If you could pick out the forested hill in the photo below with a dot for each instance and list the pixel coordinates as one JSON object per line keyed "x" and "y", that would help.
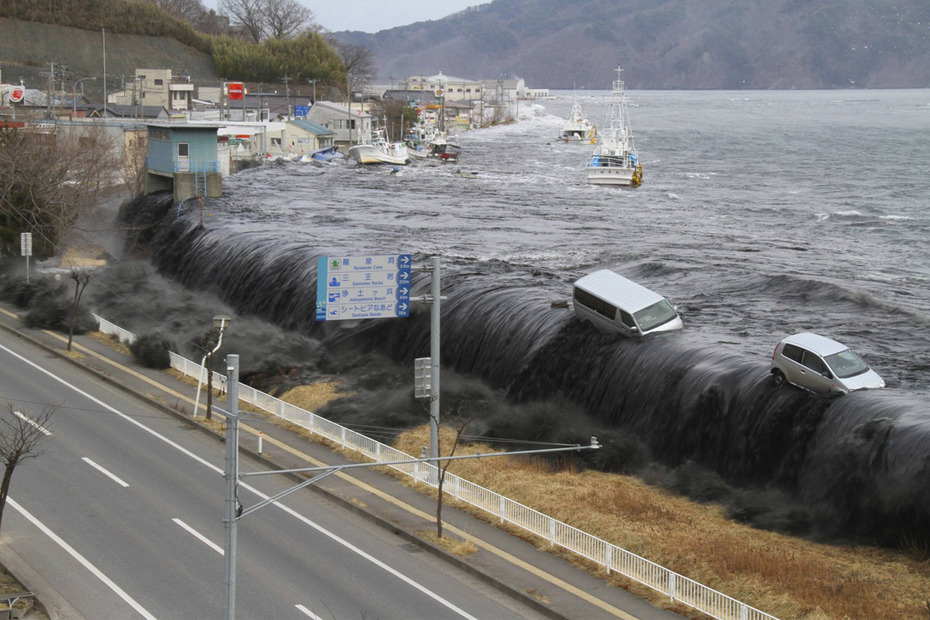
{"x": 669, "y": 44}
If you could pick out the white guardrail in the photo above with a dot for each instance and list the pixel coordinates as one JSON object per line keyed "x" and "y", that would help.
{"x": 613, "y": 558}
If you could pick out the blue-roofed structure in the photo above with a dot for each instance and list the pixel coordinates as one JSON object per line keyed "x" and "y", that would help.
{"x": 184, "y": 158}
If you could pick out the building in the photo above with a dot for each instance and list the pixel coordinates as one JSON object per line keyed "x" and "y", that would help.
{"x": 184, "y": 158}
{"x": 348, "y": 127}
{"x": 303, "y": 137}
{"x": 452, "y": 88}
{"x": 156, "y": 87}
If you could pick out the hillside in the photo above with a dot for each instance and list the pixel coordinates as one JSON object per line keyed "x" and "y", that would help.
{"x": 27, "y": 48}
{"x": 669, "y": 44}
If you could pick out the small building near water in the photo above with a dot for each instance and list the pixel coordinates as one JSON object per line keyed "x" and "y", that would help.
{"x": 183, "y": 158}
{"x": 349, "y": 127}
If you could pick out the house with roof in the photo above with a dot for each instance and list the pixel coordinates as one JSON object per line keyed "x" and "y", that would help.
{"x": 185, "y": 159}
{"x": 302, "y": 137}
{"x": 348, "y": 126}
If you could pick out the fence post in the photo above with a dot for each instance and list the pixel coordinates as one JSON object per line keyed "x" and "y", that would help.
{"x": 671, "y": 586}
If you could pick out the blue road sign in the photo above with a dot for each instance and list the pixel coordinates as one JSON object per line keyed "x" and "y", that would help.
{"x": 363, "y": 287}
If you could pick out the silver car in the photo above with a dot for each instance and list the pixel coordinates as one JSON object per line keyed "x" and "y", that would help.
{"x": 822, "y": 365}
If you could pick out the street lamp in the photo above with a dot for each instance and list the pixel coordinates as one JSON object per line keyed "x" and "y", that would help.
{"x": 74, "y": 94}
{"x": 220, "y": 322}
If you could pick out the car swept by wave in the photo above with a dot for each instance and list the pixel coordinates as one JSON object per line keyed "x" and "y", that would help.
{"x": 820, "y": 364}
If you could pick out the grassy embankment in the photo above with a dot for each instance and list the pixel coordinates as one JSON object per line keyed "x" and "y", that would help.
{"x": 785, "y": 576}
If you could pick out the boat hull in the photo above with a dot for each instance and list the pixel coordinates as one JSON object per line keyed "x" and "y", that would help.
{"x": 369, "y": 154}
{"x": 609, "y": 175}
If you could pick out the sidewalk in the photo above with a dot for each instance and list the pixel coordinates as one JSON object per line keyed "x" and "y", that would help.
{"x": 538, "y": 578}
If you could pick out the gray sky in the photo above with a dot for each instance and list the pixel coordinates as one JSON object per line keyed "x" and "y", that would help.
{"x": 375, "y": 15}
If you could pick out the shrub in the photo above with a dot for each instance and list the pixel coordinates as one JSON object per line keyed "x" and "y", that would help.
{"x": 152, "y": 350}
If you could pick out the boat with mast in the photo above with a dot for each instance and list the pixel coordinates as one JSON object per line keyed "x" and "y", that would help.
{"x": 379, "y": 150}
{"x": 615, "y": 160}
{"x": 578, "y": 127}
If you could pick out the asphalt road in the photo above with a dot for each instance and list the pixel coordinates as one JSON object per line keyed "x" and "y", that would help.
{"x": 122, "y": 516}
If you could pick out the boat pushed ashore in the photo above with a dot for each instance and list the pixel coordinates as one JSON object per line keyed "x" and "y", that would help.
{"x": 380, "y": 151}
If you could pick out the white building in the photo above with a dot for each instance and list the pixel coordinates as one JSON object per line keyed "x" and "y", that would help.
{"x": 454, "y": 89}
{"x": 155, "y": 87}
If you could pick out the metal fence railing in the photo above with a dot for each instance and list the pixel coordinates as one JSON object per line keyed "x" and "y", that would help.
{"x": 614, "y": 559}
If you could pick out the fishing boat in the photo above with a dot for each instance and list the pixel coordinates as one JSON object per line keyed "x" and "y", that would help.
{"x": 380, "y": 151}
{"x": 615, "y": 160}
{"x": 578, "y": 127}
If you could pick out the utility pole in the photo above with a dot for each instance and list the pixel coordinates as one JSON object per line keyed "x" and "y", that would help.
{"x": 435, "y": 290}
{"x": 234, "y": 511}
{"x": 287, "y": 96}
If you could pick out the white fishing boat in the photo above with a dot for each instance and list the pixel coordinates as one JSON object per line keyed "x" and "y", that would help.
{"x": 380, "y": 151}
{"x": 578, "y": 127}
{"x": 615, "y": 160}
{"x": 426, "y": 140}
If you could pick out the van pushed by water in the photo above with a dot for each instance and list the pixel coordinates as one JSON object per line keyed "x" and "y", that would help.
{"x": 614, "y": 304}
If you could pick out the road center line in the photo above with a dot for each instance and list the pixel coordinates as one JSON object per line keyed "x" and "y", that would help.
{"x": 80, "y": 558}
{"x": 106, "y": 473}
{"x": 199, "y": 536}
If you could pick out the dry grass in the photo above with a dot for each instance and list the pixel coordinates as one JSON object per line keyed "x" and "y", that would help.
{"x": 454, "y": 545}
{"x": 111, "y": 341}
{"x": 312, "y": 397}
{"x": 781, "y": 575}
{"x": 784, "y": 576}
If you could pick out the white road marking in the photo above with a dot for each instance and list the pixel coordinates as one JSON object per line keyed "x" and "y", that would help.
{"x": 308, "y": 612}
{"x": 24, "y": 418}
{"x": 424, "y": 590}
{"x": 106, "y": 473}
{"x": 80, "y": 558}
{"x": 200, "y": 536}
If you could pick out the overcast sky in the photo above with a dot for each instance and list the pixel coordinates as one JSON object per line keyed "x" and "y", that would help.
{"x": 375, "y": 15}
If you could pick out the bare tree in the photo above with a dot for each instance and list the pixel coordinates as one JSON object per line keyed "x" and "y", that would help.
{"x": 81, "y": 277}
{"x": 48, "y": 179}
{"x": 357, "y": 59}
{"x": 285, "y": 18}
{"x": 19, "y": 440}
{"x": 462, "y": 423}
{"x": 187, "y": 10}
{"x": 134, "y": 170}
{"x": 248, "y": 14}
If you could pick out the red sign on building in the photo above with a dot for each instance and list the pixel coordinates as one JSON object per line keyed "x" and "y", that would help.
{"x": 17, "y": 94}
{"x": 236, "y": 90}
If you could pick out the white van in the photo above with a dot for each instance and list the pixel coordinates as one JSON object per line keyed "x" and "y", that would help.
{"x": 614, "y": 304}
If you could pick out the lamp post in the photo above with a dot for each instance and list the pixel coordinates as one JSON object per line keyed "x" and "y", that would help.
{"x": 220, "y": 322}
{"x": 74, "y": 93}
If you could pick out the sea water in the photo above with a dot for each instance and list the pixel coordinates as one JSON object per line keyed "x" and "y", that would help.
{"x": 761, "y": 214}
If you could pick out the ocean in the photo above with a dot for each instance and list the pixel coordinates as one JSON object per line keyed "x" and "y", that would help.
{"x": 761, "y": 214}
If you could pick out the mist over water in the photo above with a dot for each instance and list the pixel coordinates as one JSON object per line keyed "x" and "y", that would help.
{"x": 761, "y": 215}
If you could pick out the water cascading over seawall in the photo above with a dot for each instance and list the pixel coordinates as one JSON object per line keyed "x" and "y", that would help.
{"x": 859, "y": 464}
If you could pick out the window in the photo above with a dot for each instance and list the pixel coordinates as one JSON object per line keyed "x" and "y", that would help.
{"x": 813, "y": 362}
{"x": 627, "y": 319}
{"x": 846, "y": 364}
{"x": 793, "y": 352}
{"x": 159, "y": 82}
{"x": 184, "y": 149}
{"x": 597, "y": 304}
